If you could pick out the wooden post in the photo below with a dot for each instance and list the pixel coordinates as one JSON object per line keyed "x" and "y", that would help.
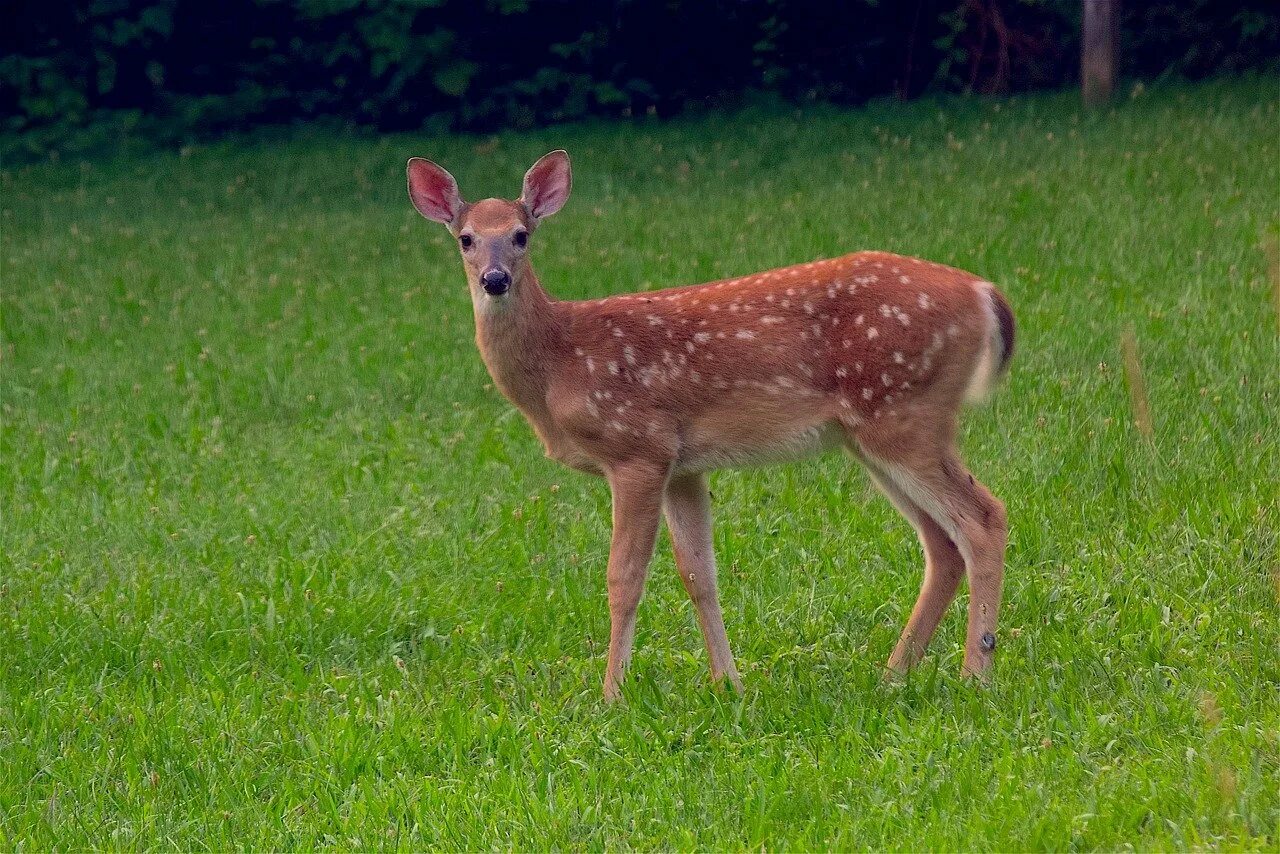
{"x": 1099, "y": 50}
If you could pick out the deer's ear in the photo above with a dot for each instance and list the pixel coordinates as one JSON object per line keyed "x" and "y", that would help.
{"x": 547, "y": 185}
{"x": 433, "y": 191}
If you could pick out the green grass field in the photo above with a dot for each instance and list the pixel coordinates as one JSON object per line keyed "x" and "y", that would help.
{"x": 281, "y": 569}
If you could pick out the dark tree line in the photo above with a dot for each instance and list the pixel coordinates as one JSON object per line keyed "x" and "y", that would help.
{"x": 73, "y": 72}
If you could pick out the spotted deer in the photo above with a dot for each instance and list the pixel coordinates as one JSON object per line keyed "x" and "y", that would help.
{"x": 871, "y": 352}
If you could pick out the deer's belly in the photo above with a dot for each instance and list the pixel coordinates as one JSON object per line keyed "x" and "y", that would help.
{"x": 764, "y": 445}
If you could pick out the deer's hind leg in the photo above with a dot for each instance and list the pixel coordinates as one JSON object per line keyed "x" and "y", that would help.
{"x": 920, "y": 467}
{"x": 943, "y": 569}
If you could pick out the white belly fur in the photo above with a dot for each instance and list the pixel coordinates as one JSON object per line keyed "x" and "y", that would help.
{"x": 789, "y": 446}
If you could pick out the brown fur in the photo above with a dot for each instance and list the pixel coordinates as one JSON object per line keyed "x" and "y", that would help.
{"x": 872, "y": 351}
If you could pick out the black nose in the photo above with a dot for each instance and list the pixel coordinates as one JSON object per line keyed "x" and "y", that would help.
{"x": 496, "y": 281}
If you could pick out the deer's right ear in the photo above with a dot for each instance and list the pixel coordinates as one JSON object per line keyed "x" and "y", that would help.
{"x": 433, "y": 191}
{"x": 547, "y": 185}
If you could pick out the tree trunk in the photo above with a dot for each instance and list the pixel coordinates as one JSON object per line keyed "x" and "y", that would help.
{"x": 1099, "y": 50}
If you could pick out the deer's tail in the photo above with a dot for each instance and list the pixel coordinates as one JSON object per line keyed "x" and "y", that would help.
{"x": 997, "y": 346}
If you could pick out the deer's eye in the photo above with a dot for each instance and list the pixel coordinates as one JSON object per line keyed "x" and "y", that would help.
{"x": 521, "y": 238}
{"x": 466, "y": 241}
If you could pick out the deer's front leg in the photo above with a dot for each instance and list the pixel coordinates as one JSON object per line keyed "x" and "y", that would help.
{"x": 637, "y": 503}
{"x": 688, "y": 511}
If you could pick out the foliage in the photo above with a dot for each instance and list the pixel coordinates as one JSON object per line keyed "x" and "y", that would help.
{"x": 279, "y": 568}
{"x": 80, "y": 73}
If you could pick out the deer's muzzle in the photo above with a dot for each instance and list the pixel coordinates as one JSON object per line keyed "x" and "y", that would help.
{"x": 495, "y": 281}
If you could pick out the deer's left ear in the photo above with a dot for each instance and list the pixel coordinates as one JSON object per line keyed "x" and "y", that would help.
{"x": 547, "y": 185}
{"x": 433, "y": 191}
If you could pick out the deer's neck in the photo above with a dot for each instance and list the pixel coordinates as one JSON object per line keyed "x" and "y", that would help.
{"x": 521, "y": 338}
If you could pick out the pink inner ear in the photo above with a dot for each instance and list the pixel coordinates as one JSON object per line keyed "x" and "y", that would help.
{"x": 434, "y": 192}
{"x": 548, "y": 188}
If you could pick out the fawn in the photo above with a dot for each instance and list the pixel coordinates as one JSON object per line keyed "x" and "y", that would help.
{"x": 872, "y": 352}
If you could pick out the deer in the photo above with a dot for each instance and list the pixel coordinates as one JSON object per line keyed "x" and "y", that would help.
{"x": 871, "y": 352}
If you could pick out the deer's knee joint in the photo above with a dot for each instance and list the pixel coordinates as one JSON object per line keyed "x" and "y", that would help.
{"x": 995, "y": 519}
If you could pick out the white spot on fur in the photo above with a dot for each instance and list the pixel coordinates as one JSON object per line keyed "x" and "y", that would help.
{"x": 613, "y": 368}
{"x": 745, "y": 334}
{"x": 924, "y": 300}
{"x": 872, "y": 332}
{"x": 702, "y": 337}
{"x": 770, "y": 319}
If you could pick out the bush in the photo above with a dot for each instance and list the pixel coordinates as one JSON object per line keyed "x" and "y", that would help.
{"x": 83, "y": 73}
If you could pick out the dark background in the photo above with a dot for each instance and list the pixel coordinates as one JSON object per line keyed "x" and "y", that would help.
{"x": 84, "y": 74}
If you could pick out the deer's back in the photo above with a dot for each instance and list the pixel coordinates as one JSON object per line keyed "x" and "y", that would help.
{"x": 762, "y": 365}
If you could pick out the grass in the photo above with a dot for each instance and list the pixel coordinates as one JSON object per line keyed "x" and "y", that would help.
{"x": 281, "y": 569}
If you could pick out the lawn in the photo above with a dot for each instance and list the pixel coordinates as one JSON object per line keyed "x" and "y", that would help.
{"x": 281, "y": 569}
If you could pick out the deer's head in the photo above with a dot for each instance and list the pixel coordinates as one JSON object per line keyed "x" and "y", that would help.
{"x": 493, "y": 234}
